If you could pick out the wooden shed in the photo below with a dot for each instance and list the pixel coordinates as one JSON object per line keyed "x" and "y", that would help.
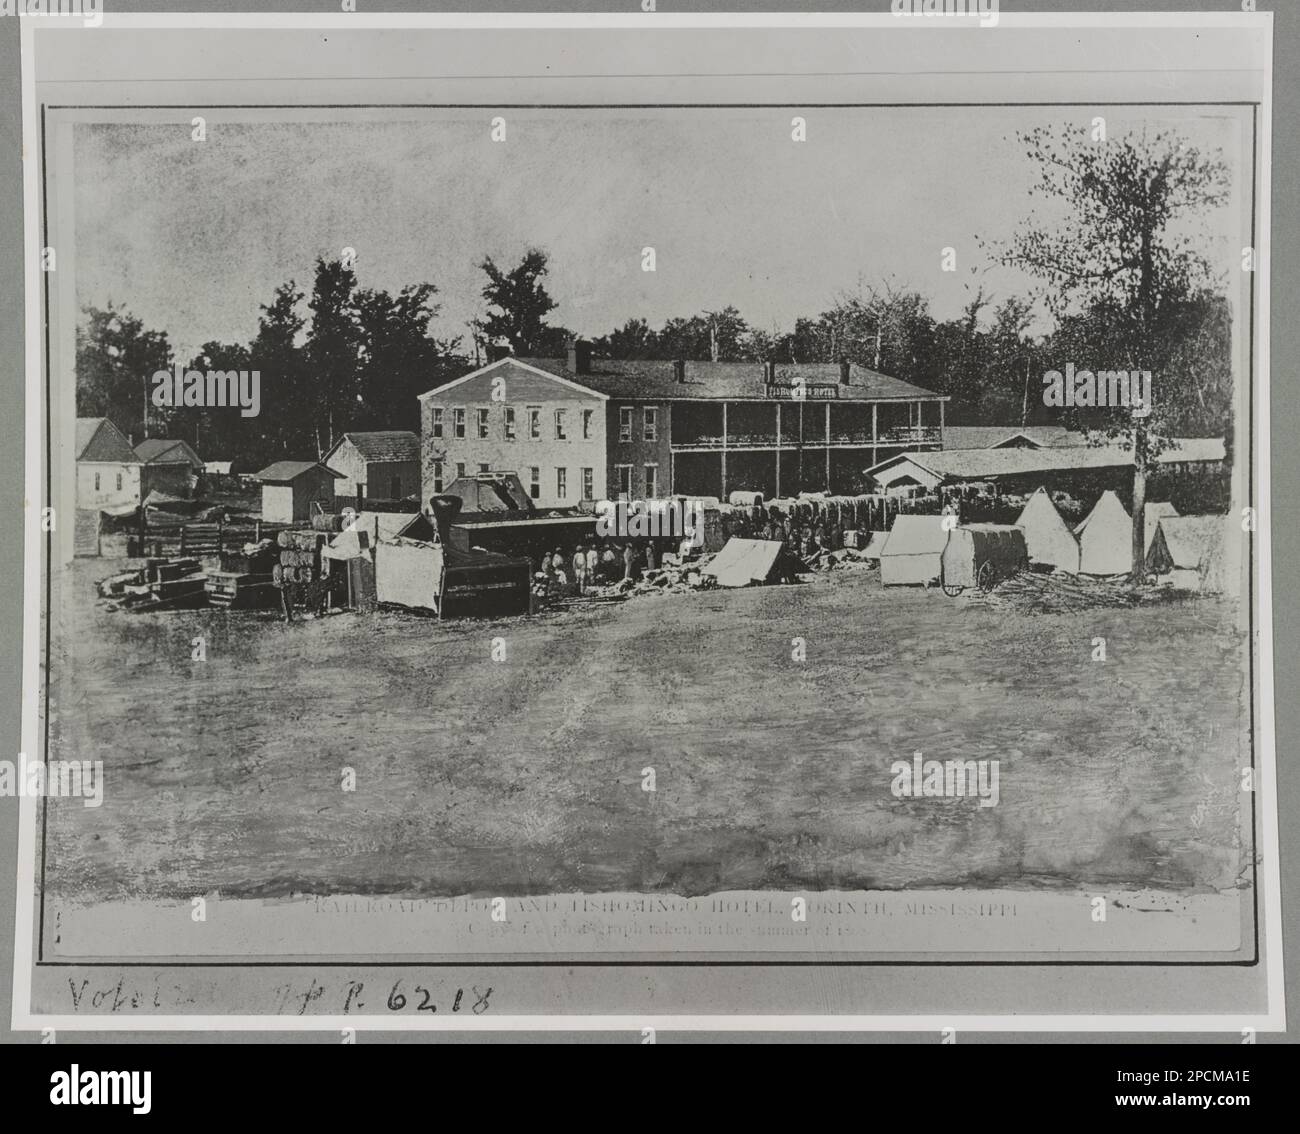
{"x": 290, "y": 488}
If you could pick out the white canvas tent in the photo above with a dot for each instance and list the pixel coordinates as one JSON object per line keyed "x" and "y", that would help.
{"x": 913, "y": 553}
{"x": 744, "y": 562}
{"x": 1047, "y": 536}
{"x": 1106, "y": 538}
{"x": 409, "y": 573}
{"x": 874, "y": 545}
{"x": 1151, "y": 517}
{"x": 1191, "y": 552}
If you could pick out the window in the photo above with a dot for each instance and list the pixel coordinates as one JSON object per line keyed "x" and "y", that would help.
{"x": 510, "y": 424}
{"x": 535, "y": 483}
{"x": 460, "y": 469}
{"x": 651, "y": 423}
{"x": 483, "y": 466}
{"x": 437, "y": 477}
{"x": 586, "y": 424}
{"x": 482, "y": 424}
{"x": 625, "y": 423}
{"x": 97, "y": 482}
{"x": 119, "y": 482}
{"x": 561, "y": 483}
{"x": 624, "y": 481}
{"x": 559, "y": 425}
{"x": 588, "y": 485}
{"x": 651, "y": 481}
{"x": 436, "y": 423}
{"x": 535, "y": 424}
{"x": 458, "y": 418}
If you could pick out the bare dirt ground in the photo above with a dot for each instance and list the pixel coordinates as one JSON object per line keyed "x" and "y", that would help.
{"x": 475, "y": 776}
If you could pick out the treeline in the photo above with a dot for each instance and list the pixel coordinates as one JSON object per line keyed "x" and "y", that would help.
{"x": 355, "y": 358}
{"x": 346, "y": 357}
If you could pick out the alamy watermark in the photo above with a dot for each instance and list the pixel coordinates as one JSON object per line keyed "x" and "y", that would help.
{"x": 181, "y": 387}
{"x": 946, "y": 779}
{"x": 647, "y": 519}
{"x": 1131, "y": 388}
{"x": 91, "y": 11}
{"x": 986, "y": 10}
{"x": 55, "y": 778}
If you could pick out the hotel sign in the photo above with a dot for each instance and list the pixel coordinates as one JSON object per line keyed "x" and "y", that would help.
{"x": 803, "y": 391}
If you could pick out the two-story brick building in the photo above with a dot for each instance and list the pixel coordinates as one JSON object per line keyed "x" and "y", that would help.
{"x": 512, "y": 416}
{"x": 680, "y": 428}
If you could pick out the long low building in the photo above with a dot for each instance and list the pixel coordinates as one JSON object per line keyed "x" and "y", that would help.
{"x": 1023, "y": 468}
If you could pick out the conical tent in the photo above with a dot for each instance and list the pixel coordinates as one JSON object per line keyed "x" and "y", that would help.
{"x": 1191, "y": 551}
{"x": 1047, "y": 536}
{"x": 1106, "y": 538}
{"x": 1151, "y": 517}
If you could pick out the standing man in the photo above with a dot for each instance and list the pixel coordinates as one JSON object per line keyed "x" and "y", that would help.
{"x": 580, "y": 568}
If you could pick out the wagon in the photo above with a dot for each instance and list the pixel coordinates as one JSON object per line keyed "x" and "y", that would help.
{"x": 981, "y": 555}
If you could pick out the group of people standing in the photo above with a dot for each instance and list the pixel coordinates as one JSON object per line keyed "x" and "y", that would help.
{"x": 592, "y": 565}
{"x": 803, "y": 540}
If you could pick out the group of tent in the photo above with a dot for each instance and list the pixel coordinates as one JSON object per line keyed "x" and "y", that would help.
{"x": 1186, "y": 551}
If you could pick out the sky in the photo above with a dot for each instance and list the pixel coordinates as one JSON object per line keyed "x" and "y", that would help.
{"x": 193, "y": 236}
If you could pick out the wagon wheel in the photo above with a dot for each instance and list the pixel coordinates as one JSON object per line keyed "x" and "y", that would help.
{"x": 952, "y": 590}
{"x": 984, "y": 577}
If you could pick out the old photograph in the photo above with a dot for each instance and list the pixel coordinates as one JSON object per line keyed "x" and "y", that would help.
{"x": 624, "y": 532}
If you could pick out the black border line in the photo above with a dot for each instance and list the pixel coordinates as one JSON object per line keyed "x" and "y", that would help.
{"x": 41, "y": 962}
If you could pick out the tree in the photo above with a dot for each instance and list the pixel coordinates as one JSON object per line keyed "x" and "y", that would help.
{"x": 333, "y": 352}
{"x": 634, "y": 339}
{"x": 218, "y": 433}
{"x": 399, "y": 358}
{"x": 116, "y": 358}
{"x": 278, "y": 355}
{"x": 1123, "y": 263}
{"x": 517, "y": 305}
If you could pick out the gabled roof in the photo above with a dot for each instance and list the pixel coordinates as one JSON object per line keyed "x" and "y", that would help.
{"x": 98, "y": 439}
{"x": 505, "y": 364}
{"x": 161, "y": 451}
{"x": 657, "y": 379}
{"x": 987, "y": 464}
{"x": 283, "y": 472}
{"x": 1009, "y": 436}
{"x": 382, "y": 445}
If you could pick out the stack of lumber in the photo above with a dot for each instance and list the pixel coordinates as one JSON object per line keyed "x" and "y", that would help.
{"x": 161, "y": 584}
{"x": 1059, "y": 593}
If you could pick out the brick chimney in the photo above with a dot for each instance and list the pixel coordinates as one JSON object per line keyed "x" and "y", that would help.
{"x": 844, "y": 371}
{"x": 579, "y": 356}
{"x": 679, "y": 369}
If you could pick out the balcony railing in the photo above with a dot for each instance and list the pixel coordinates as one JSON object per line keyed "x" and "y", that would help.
{"x": 904, "y": 435}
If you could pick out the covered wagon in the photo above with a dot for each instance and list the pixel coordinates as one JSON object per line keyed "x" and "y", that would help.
{"x": 982, "y": 555}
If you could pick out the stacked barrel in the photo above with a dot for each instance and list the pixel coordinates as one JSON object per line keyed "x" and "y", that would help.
{"x": 299, "y": 564}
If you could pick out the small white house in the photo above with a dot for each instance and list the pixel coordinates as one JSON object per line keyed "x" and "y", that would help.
{"x": 108, "y": 469}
